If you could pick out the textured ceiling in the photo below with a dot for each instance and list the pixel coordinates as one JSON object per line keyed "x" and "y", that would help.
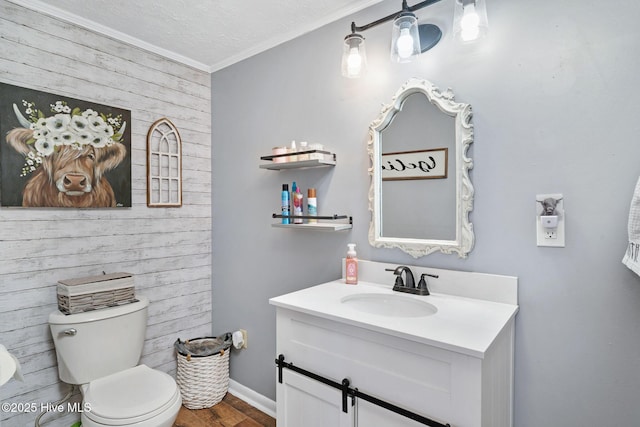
{"x": 207, "y": 34}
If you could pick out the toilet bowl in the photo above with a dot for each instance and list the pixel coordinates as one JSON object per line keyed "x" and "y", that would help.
{"x": 99, "y": 351}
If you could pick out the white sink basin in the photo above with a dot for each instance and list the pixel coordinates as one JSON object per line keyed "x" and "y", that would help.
{"x": 389, "y": 305}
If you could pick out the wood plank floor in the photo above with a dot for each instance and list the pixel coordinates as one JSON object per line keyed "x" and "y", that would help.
{"x": 231, "y": 412}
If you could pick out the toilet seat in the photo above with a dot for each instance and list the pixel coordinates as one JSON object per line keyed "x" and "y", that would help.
{"x": 130, "y": 396}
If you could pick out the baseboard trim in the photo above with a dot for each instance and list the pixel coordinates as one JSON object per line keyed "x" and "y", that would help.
{"x": 253, "y": 398}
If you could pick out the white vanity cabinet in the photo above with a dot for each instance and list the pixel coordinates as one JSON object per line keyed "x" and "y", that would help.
{"x": 428, "y": 372}
{"x": 446, "y": 386}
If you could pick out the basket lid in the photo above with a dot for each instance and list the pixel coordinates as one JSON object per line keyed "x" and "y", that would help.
{"x": 94, "y": 279}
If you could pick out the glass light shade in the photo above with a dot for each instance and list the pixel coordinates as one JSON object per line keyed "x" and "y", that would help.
{"x": 405, "y": 39}
{"x": 470, "y": 20}
{"x": 354, "y": 56}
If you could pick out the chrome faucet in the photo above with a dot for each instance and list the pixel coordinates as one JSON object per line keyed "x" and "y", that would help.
{"x": 410, "y": 286}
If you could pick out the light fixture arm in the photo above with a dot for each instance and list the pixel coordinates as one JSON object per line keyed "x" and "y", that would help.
{"x": 405, "y": 8}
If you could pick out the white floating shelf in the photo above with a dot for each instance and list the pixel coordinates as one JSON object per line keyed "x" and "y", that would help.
{"x": 298, "y": 165}
{"x": 322, "y": 159}
{"x": 324, "y": 223}
{"x": 320, "y": 226}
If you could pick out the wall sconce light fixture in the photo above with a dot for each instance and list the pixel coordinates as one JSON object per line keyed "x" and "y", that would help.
{"x": 408, "y": 38}
{"x": 354, "y": 56}
{"x": 469, "y": 20}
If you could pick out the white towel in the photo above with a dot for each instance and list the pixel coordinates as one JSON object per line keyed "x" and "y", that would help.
{"x": 632, "y": 256}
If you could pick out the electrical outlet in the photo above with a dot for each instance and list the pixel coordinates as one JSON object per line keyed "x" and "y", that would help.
{"x": 550, "y": 234}
{"x": 244, "y": 338}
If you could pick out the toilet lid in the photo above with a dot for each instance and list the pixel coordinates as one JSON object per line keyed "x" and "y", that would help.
{"x": 132, "y": 395}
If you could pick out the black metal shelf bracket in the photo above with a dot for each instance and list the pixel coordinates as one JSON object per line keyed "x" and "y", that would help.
{"x": 297, "y": 153}
{"x": 348, "y": 391}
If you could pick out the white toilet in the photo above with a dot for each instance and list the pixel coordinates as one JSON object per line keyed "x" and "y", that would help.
{"x": 99, "y": 351}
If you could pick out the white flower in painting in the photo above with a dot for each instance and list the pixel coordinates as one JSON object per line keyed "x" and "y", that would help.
{"x": 96, "y": 124}
{"x": 58, "y": 123}
{"x": 98, "y": 141}
{"x": 41, "y": 133}
{"x": 58, "y": 107}
{"x": 55, "y": 138}
{"x": 107, "y": 131}
{"x": 44, "y": 147}
{"x": 67, "y": 138}
{"x": 84, "y": 137}
{"x": 79, "y": 123}
{"x": 89, "y": 113}
{"x": 42, "y": 122}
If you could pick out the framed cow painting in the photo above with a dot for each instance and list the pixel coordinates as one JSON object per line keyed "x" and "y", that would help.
{"x": 58, "y": 151}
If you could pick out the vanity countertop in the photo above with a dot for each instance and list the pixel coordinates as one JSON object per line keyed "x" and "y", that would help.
{"x": 461, "y": 324}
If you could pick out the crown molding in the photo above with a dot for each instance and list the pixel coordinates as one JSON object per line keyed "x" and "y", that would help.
{"x": 55, "y": 12}
{"x": 285, "y": 37}
{"x": 47, "y": 9}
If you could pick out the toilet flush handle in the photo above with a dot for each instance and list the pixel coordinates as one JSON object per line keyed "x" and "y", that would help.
{"x": 71, "y": 331}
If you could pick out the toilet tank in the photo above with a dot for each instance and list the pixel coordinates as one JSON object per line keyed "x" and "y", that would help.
{"x": 98, "y": 343}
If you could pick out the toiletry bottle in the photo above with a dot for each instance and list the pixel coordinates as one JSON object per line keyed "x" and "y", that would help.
{"x": 351, "y": 267}
{"x": 297, "y": 206}
{"x": 303, "y": 147}
{"x": 285, "y": 203}
{"x": 292, "y": 151}
{"x": 312, "y": 204}
{"x": 294, "y": 189}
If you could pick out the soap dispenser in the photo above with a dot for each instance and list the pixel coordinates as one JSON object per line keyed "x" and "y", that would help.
{"x": 351, "y": 265}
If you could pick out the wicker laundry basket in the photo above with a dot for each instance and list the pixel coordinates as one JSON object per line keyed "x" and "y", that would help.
{"x": 203, "y": 378}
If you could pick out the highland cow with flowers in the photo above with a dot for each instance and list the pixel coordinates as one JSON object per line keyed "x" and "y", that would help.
{"x": 67, "y": 152}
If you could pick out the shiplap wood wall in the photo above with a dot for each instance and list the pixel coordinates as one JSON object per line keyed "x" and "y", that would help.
{"x": 167, "y": 249}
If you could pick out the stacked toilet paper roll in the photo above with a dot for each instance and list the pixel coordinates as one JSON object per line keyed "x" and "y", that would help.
{"x": 9, "y": 366}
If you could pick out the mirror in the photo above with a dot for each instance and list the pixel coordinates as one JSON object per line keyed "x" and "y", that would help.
{"x": 421, "y": 194}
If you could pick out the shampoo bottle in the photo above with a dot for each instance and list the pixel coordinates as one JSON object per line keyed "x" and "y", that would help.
{"x": 297, "y": 206}
{"x": 351, "y": 267}
{"x": 285, "y": 203}
{"x": 312, "y": 204}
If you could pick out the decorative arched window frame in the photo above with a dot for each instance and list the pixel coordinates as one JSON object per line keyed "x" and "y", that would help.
{"x": 164, "y": 165}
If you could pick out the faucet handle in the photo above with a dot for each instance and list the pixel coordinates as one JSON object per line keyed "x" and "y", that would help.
{"x": 399, "y": 281}
{"x": 422, "y": 284}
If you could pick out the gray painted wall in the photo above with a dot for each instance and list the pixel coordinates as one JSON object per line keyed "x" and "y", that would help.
{"x": 555, "y": 92}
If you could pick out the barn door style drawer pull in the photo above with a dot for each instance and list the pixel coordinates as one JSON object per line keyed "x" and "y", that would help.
{"x": 348, "y": 391}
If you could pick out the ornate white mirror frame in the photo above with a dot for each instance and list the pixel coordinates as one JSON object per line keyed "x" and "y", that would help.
{"x": 462, "y": 114}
